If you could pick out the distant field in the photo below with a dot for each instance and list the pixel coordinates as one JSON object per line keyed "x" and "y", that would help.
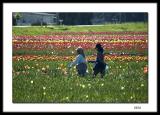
{"x": 143, "y": 27}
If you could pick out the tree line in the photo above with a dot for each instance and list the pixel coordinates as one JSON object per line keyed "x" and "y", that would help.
{"x": 89, "y": 18}
{"x": 100, "y": 18}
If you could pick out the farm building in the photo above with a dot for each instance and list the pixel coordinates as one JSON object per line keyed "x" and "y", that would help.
{"x": 34, "y": 18}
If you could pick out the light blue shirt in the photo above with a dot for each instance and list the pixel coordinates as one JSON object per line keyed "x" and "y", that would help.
{"x": 79, "y": 59}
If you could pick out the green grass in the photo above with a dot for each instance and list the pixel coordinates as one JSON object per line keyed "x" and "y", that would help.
{"x": 124, "y": 82}
{"x": 52, "y": 82}
{"x": 33, "y": 30}
{"x": 68, "y": 52}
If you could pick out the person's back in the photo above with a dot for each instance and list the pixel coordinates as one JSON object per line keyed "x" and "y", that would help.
{"x": 80, "y": 62}
{"x": 100, "y": 57}
{"x": 100, "y": 64}
{"x": 80, "y": 59}
{"x": 81, "y": 65}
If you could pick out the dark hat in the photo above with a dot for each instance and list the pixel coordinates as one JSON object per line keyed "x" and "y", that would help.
{"x": 98, "y": 45}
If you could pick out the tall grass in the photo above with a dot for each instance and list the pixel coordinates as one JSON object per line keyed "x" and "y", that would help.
{"x": 124, "y": 82}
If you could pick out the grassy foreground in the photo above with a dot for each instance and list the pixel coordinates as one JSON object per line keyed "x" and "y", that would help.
{"x": 125, "y": 83}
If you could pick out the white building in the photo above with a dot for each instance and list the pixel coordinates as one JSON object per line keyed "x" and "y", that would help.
{"x": 36, "y": 18}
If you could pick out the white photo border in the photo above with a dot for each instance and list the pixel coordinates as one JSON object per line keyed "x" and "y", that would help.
{"x": 8, "y": 8}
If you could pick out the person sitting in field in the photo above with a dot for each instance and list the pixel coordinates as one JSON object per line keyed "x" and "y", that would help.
{"x": 100, "y": 65}
{"x": 80, "y": 62}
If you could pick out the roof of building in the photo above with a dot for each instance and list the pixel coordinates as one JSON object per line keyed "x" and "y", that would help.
{"x": 40, "y": 13}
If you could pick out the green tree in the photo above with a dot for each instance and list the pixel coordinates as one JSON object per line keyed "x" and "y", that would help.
{"x": 17, "y": 16}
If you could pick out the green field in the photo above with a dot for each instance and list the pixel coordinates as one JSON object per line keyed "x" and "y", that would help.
{"x": 47, "y": 81}
{"x": 41, "y": 30}
{"x": 121, "y": 84}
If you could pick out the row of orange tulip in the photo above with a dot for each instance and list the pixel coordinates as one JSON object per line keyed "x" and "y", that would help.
{"x": 70, "y": 58}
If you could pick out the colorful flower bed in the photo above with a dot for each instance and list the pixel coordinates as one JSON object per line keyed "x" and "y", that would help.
{"x": 40, "y": 72}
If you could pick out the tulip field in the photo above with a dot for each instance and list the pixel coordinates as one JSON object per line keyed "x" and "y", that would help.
{"x": 40, "y": 70}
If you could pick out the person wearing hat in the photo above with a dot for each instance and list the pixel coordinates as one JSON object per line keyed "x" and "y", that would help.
{"x": 80, "y": 62}
{"x": 100, "y": 65}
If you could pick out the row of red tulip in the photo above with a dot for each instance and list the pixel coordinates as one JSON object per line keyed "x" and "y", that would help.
{"x": 81, "y": 37}
{"x": 70, "y": 58}
{"x": 86, "y": 45}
